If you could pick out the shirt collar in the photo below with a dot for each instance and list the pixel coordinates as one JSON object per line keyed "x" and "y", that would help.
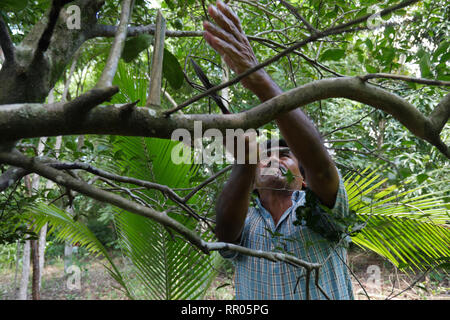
{"x": 296, "y": 197}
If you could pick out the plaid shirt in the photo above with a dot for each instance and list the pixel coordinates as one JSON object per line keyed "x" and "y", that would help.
{"x": 261, "y": 279}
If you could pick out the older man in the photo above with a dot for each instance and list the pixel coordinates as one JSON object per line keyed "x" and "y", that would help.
{"x": 269, "y": 225}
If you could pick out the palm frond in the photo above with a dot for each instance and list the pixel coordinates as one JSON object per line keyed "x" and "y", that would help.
{"x": 166, "y": 266}
{"x": 407, "y": 229}
{"x": 65, "y": 228}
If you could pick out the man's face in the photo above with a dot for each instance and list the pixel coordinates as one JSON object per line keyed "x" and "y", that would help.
{"x": 279, "y": 177}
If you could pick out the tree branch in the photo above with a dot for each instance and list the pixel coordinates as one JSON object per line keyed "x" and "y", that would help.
{"x": 271, "y": 256}
{"x": 109, "y": 71}
{"x": 111, "y": 176}
{"x": 294, "y": 11}
{"x": 102, "y": 30}
{"x": 11, "y": 176}
{"x": 51, "y": 120}
{"x": 440, "y": 115}
{"x": 330, "y": 31}
{"x": 405, "y": 78}
{"x": 61, "y": 178}
{"x": 383, "y": 12}
{"x": 6, "y": 42}
{"x": 78, "y": 107}
{"x": 205, "y": 183}
{"x": 46, "y": 36}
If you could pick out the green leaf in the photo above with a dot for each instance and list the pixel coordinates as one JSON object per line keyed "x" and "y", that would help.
{"x": 177, "y": 24}
{"x": 441, "y": 49}
{"x": 421, "y": 178}
{"x": 425, "y": 66}
{"x": 134, "y": 46}
{"x": 170, "y": 4}
{"x": 13, "y": 5}
{"x": 172, "y": 70}
{"x": 332, "y": 54}
{"x": 371, "y": 69}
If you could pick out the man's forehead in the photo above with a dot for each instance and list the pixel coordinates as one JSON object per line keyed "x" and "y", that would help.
{"x": 277, "y": 149}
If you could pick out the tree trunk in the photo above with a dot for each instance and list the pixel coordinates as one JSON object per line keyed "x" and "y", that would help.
{"x": 35, "y": 292}
{"x": 22, "y": 294}
{"x": 16, "y": 287}
{"x": 42, "y": 244}
{"x": 68, "y": 249}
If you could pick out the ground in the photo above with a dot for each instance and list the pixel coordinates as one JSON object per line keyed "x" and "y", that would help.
{"x": 96, "y": 284}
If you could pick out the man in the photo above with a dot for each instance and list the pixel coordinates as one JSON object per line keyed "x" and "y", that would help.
{"x": 278, "y": 196}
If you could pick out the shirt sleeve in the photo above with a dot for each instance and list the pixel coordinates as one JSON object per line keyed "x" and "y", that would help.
{"x": 231, "y": 254}
{"x": 331, "y": 223}
{"x": 340, "y": 208}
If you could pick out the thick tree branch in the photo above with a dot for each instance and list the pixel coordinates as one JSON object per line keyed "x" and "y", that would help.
{"x": 6, "y": 42}
{"x": 109, "y": 71}
{"x": 33, "y": 78}
{"x": 11, "y": 176}
{"x": 52, "y": 120}
{"x": 441, "y": 114}
{"x": 46, "y": 36}
{"x": 102, "y": 30}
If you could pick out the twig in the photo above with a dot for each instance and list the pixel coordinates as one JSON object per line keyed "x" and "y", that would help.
{"x": 405, "y": 78}
{"x": 111, "y": 176}
{"x": 262, "y": 8}
{"x": 353, "y": 274}
{"x": 349, "y": 125}
{"x": 269, "y": 255}
{"x": 412, "y": 284}
{"x": 206, "y": 182}
{"x": 294, "y": 11}
{"x": 127, "y": 108}
{"x": 381, "y": 13}
{"x": 308, "y": 59}
{"x": 331, "y": 31}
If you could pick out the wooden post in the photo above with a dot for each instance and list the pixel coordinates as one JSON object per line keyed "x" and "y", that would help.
{"x": 154, "y": 94}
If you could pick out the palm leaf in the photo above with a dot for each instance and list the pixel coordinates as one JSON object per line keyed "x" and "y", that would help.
{"x": 65, "y": 228}
{"x": 407, "y": 229}
{"x": 166, "y": 266}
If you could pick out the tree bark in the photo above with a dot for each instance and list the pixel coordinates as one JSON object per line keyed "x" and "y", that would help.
{"x": 35, "y": 292}
{"x": 22, "y": 294}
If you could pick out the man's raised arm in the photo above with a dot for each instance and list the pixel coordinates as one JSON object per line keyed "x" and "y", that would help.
{"x": 228, "y": 39}
{"x": 233, "y": 202}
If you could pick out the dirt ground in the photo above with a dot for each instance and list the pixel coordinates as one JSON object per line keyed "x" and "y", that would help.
{"x": 96, "y": 284}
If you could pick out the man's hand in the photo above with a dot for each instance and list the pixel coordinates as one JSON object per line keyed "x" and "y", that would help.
{"x": 228, "y": 39}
